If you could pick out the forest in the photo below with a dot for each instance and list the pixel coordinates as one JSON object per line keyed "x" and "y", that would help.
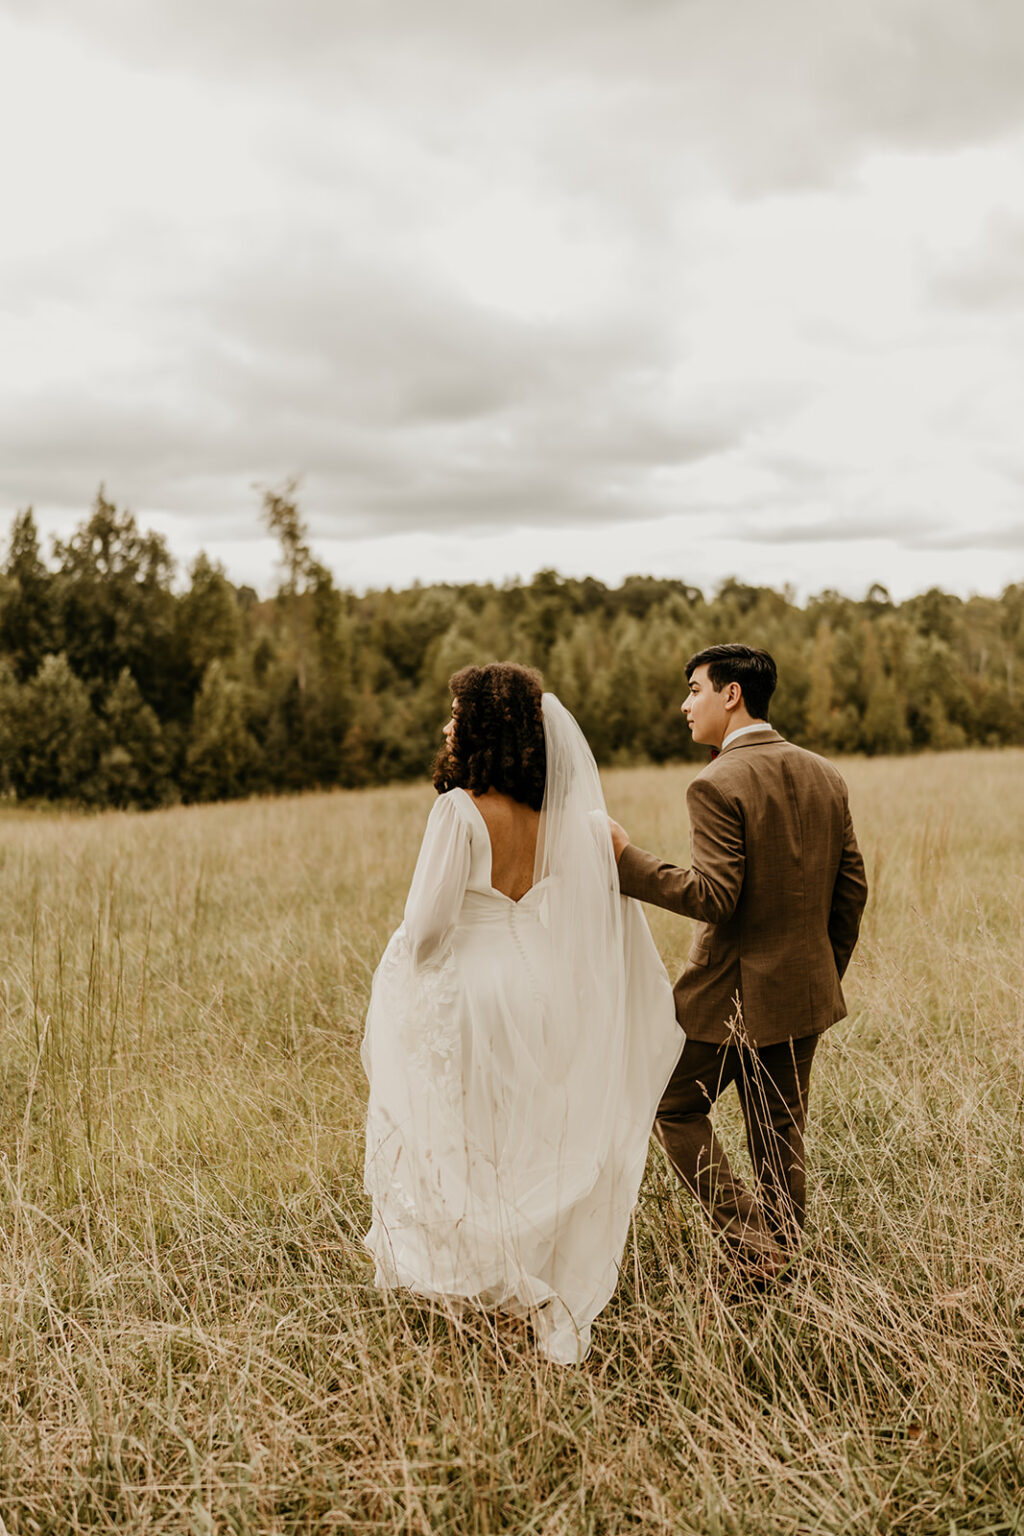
{"x": 121, "y": 686}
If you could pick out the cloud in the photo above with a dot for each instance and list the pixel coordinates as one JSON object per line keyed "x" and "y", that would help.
{"x": 989, "y": 276}
{"x": 788, "y": 94}
{"x": 909, "y": 536}
{"x": 401, "y": 402}
{"x": 1007, "y": 536}
{"x": 828, "y": 530}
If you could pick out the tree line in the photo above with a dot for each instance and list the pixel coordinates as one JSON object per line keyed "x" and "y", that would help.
{"x": 118, "y": 688}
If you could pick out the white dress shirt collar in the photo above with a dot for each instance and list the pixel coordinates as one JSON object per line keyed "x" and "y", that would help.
{"x": 743, "y": 730}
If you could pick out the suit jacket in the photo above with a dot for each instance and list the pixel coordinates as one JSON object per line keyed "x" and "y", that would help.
{"x": 777, "y": 883}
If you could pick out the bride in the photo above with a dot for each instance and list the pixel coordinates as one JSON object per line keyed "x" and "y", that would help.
{"x": 520, "y": 1030}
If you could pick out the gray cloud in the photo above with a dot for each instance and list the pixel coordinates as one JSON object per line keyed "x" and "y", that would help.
{"x": 787, "y": 94}
{"x": 402, "y": 403}
{"x": 1008, "y": 536}
{"x": 826, "y": 530}
{"x": 990, "y": 277}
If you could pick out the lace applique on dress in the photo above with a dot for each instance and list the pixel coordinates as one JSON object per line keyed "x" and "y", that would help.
{"x": 436, "y": 1046}
{"x": 422, "y": 1001}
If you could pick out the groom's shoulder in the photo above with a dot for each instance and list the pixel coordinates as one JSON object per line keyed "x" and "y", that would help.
{"x": 816, "y": 767}
{"x": 734, "y": 770}
{"x": 813, "y": 778}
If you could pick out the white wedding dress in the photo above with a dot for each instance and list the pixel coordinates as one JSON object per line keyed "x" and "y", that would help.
{"x": 516, "y": 1053}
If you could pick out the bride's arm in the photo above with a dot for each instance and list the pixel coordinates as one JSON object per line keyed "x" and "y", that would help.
{"x": 438, "y": 882}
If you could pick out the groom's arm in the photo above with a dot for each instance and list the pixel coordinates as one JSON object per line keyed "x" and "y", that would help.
{"x": 710, "y": 888}
{"x": 849, "y": 895}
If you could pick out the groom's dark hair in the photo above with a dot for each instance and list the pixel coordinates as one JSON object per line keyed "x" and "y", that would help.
{"x": 755, "y": 671}
{"x": 498, "y": 741}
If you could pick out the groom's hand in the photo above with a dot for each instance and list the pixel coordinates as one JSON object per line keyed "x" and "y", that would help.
{"x": 620, "y": 838}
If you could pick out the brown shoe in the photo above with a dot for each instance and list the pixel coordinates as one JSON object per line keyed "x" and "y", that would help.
{"x": 760, "y": 1274}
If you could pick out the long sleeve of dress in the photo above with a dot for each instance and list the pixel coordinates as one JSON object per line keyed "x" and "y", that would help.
{"x": 438, "y": 882}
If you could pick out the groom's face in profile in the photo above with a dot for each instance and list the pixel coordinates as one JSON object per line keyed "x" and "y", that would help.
{"x": 705, "y": 710}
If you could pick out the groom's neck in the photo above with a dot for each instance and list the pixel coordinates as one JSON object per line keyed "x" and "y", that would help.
{"x": 739, "y": 721}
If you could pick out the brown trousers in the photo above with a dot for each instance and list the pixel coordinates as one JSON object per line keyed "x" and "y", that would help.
{"x": 772, "y": 1082}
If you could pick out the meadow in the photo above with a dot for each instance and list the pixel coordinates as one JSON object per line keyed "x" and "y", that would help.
{"x": 190, "y": 1340}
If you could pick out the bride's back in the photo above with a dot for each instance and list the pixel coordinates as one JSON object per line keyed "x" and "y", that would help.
{"x": 512, "y": 828}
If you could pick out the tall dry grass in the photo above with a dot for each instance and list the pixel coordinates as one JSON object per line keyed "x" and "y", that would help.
{"x": 190, "y": 1340}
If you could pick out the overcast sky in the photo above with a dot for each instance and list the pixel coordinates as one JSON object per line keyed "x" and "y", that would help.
{"x": 693, "y": 287}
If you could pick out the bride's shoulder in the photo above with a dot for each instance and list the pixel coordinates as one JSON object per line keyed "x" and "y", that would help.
{"x": 453, "y": 803}
{"x": 451, "y": 817}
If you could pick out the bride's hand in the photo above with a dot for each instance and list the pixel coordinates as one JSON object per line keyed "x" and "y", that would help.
{"x": 620, "y": 838}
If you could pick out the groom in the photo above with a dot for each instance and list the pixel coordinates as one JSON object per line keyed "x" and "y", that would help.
{"x": 777, "y": 885}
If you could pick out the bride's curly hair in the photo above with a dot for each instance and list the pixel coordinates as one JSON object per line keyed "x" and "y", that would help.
{"x": 498, "y": 740}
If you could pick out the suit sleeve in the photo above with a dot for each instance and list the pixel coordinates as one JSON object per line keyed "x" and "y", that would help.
{"x": 438, "y": 882}
{"x": 849, "y": 895}
{"x": 710, "y": 888}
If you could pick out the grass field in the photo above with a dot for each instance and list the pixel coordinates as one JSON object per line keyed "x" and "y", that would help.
{"x": 190, "y": 1341}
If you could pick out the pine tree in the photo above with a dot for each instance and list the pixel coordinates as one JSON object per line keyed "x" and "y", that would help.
{"x": 221, "y": 756}
{"x": 210, "y": 622}
{"x": 133, "y": 765}
{"x": 28, "y": 618}
{"x": 56, "y": 736}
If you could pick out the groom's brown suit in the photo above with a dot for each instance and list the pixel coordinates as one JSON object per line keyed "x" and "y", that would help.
{"x": 777, "y": 883}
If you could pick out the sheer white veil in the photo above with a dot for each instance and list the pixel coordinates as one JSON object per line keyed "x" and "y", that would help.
{"x": 584, "y": 919}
